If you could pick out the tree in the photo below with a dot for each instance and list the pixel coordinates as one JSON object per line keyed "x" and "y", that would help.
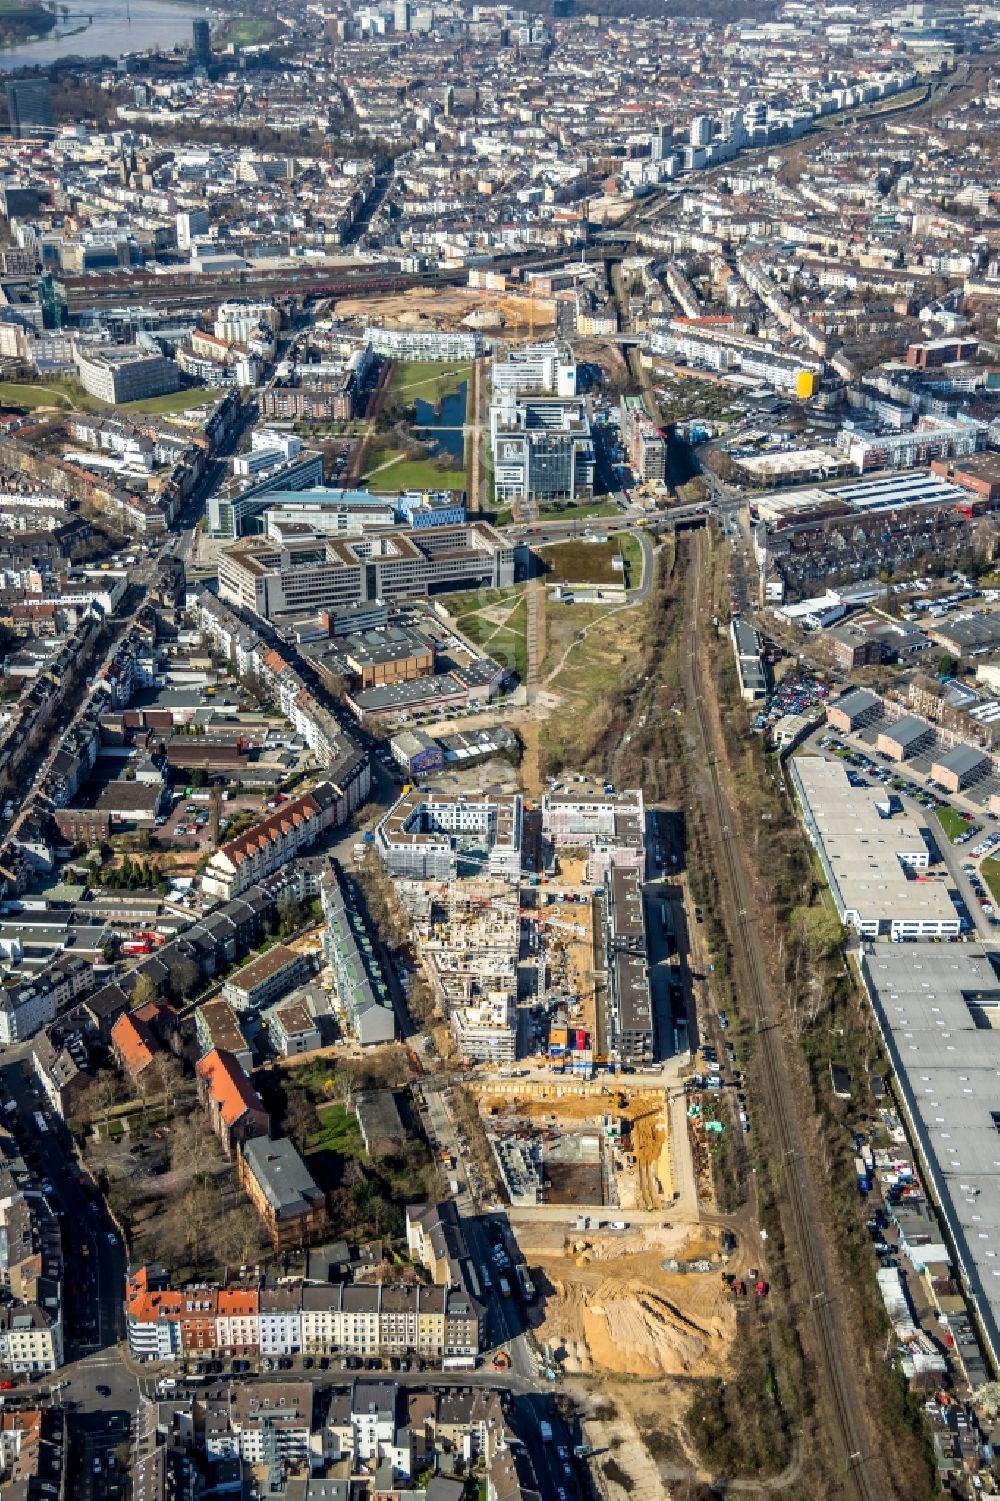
{"x": 947, "y": 666}
{"x": 144, "y": 991}
{"x": 185, "y": 978}
{"x": 301, "y": 1118}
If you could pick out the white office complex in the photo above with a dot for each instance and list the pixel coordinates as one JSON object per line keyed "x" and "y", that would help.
{"x": 870, "y": 856}
{"x": 424, "y": 343}
{"x": 536, "y": 368}
{"x": 326, "y": 573}
{"x": 543, "y": 448}
{"x": 125, "y": 373}
{"x": 432, "y": 836}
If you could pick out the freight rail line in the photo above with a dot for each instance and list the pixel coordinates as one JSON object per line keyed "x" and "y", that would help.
{"x": 863, "y": 1478}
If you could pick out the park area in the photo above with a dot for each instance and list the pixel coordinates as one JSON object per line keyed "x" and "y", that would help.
{"x": 68, "y": 395}
{"x": 390, "y": 469}
{"x": 428, "y": 380}
{"x": 496, "y": 620}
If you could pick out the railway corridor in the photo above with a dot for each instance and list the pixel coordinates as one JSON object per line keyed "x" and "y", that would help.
{"x": 841, "y": 1397}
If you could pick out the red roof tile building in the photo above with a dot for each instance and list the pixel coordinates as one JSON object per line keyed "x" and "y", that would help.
{"x": 233, "y": 1105}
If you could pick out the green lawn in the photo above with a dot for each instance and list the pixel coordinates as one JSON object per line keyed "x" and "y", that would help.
{"x": 990, "y": 872}
{"x": 632, "y": 553}
{"x": 569, "y": 509}
{"x": 68, "y": 395}
{"x": 49, "y": 393}
{"x": 246, "y": 31}
{"x": 471, "y": 601}
{"x": 339, "y": 1132}
{"x": 953, "y": 823}
{"x": 409, "y": 474}
{"x": 564, "y": 510}
{"x": 576, "y": 562}
{"x": 176, "y": 401}
{"x": 428, "y": 379}
{"x": 503, "y": 633}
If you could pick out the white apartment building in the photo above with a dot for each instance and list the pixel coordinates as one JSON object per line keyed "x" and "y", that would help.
{"x": 427, "y": 835}
{"x": 237, "y": 321}
{"x": 30, "y": 1340}
{"x": 485, "y": 1030}
{"x": 280, "y": 1321}
{"x": 424, "y": 344}
{"x": 932, "y": 438}
{"x": 610, "y": 825}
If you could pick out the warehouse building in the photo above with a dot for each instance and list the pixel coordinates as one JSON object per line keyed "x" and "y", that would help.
{"x": 853, "y": 710}
{"x": 749, "y": 662}
{"x": 938, "y": 1010}
{"x": 416, "y": 752}
{"x": 961, "y": 767}
{"x": 905, "y": 738}
{"x": 869, "y": 857}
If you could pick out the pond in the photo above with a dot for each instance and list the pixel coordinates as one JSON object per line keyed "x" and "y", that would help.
{"x": 443, "y": 428}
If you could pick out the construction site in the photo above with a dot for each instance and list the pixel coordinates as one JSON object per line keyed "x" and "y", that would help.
{"x": 600, "y": 1147}
{"x": 514, "y": 968}
{"x": 518, "y": 315}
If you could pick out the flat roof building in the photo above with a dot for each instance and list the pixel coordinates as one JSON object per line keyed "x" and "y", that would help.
{"x": 323, "y": 573}
{"x": 869, "y": 857}
{"x": 117, "y": 375}
{"x": 433, "y": 836}
{"x": 939, "y": 1013}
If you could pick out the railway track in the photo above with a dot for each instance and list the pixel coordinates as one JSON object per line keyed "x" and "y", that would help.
{"x": 863, "y": 1476}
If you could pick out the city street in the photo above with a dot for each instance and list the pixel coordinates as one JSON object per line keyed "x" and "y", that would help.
{"x": 93, "y": 1254}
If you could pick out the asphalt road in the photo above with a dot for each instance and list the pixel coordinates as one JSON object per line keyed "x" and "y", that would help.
{"x": 93, "y": 1254}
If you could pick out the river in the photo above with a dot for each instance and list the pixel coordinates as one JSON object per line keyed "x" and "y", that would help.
{"x": 100, "y": 28}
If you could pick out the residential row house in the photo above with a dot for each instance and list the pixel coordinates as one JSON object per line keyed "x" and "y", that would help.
{"x": 365, "y": 1319}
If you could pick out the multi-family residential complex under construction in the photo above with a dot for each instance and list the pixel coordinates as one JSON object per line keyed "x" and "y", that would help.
{"x": 508, "y": 938}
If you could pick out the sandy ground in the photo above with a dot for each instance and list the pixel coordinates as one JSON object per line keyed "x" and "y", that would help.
{"x": 618, "y": 1436}
{"x": 645, "y": 1178}
{"x": 625, "y": 1315}
{"x": 434, "y": 307}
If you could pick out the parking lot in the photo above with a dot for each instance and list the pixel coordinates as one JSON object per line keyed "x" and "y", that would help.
{"x": 960, "y": 835}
